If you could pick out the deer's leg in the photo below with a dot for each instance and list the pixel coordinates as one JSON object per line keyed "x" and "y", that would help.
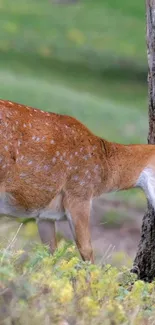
{"x": 46, "y": 229}
{"x": 78, "y": 214}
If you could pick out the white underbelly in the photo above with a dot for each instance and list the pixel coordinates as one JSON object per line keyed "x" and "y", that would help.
{"x": 8, "y": 208}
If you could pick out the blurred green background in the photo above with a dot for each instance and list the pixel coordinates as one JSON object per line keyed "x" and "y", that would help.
{"x": 83, "y": 58}
{"x": 87, "y": 59}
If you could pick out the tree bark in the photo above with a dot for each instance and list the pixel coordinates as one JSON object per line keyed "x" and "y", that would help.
{"x": 144, "y": 263}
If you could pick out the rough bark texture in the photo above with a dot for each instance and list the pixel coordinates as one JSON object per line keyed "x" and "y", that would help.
{"x": 144, "y": 263}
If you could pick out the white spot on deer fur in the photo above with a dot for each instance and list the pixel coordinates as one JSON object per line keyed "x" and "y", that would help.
{"x": 46, "y": 167}
{"x": 76, "y": 153}
{"x": 22, "y": 175}
{"x": 16, "y": 122}
{"x": 27, "y": 181}
{"x": 1, "y": 159}
{"x": 53, "y": 159}
{"x": 50, "y": 189}
{"x": 96, "y": 168}
{"x": 11, "y": 103}
{"x": 22, "y": 157}
{"x": 38, "y": 168}
{"x": 87, "y": 172}
{"x": 4, "y": 166}
{"x": 6, "y": 124}
{"x": 37, "y": 139}
{"x": 76, "y": 167}
{"x": 34, "y": 137}
{"x": 81, "y": 149}
{"x": 19, "y": 143}
{"x": 6, "y": 148}
{"x": 29, "y": 162}
{"x": 24, "y": 125}
{"x": 52, "y": 141}
{"x": 57, "y": 153}
{"x": 82, "y": 183}
{"x": 75, "y": 178}
{"x": 146, "y": 181}
{"x": 30, "y": 125}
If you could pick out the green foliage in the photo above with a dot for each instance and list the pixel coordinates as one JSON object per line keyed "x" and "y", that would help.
{"x": 51, "y": 289}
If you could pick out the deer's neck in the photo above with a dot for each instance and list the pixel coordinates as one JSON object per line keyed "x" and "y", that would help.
{"x": 123, "y": 164}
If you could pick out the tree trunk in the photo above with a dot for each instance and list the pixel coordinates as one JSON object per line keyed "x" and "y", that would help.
{"x": 144, "y": 263}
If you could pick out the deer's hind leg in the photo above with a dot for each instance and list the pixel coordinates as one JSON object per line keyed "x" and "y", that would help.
{"x": 46, "y": 222}
{"x": 46, "y": 229}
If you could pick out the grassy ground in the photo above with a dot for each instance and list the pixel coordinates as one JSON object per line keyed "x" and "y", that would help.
{"x": 38, "y": 289}
{"x": 44, "y": 62}
{"x": 87, "y": 32}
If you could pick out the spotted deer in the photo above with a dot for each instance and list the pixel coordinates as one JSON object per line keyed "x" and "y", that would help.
{"x": 52, "y": 167}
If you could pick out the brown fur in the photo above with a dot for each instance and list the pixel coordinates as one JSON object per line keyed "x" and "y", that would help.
{"x": 52, "y": 161}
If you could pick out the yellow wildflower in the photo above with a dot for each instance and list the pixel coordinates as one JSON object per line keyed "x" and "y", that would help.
{"x": 66, "y": 293}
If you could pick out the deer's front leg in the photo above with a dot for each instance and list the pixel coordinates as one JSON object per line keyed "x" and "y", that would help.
{"x": 46, "y": 229}
{"x": 78, "y": 214}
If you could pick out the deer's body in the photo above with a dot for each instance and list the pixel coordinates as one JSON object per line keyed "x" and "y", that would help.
{"x": 52, "y": 167}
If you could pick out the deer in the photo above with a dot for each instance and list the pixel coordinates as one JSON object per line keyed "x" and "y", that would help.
{"x": 52, "y": 167}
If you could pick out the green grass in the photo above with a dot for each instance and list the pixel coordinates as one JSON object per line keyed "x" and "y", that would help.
{"x": 36, "y": 288}
{"x": 105, "y": 116}
{"x": 87, "y": 60}
{"x": 93, "y": 33}
{"x": 65, "y": 59}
